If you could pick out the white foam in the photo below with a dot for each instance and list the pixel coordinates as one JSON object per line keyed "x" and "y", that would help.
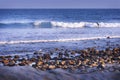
{"x": 84, "y": 24}
{"x": 36, "y": 23}
{"x": 68, "y": 24}
{"x": 55, "y": 40}
{"x": 63, "y": 24}
{"x": 102, "y": 24}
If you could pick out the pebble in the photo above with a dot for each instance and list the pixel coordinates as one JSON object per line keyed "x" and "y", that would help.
{"x": 51, "y": 67}
{"x": 89, "y": 57}
{"x": 39, "y": 63}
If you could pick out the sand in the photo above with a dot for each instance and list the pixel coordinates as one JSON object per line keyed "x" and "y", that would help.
{"x": 29, "y": 73}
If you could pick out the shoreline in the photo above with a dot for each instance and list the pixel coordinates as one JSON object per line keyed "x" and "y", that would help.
{"x": 59, "y": 40}
{"x": 99, "y": 60}
{"x": 13, "y": 49}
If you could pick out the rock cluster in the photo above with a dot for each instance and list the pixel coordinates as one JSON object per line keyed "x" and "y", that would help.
{"x": 66, "y": 59}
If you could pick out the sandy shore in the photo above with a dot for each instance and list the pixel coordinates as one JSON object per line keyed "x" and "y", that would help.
{"x": 29, "y": 73}
{"x": 101, "y": 54}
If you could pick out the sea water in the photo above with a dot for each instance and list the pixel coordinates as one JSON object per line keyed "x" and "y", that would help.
{"x": 20, "y": 29}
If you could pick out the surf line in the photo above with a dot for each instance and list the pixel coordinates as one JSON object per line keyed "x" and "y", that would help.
{"x": 56, "y": 40}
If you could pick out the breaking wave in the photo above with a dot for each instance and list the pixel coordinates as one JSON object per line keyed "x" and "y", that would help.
{"x": 54, "y": 40}
{"x": 16, "y": 22}
{"x": 45, "y": 24}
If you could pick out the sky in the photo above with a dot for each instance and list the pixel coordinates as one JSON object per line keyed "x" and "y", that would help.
{"x": 59, "y": 3}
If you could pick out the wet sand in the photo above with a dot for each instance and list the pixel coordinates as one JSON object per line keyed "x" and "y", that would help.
{"x": 29, "y": 73}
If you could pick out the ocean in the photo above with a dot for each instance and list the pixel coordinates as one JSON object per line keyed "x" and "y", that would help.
{"x": 54, "y": 18}
{"x": 28, "y": 30}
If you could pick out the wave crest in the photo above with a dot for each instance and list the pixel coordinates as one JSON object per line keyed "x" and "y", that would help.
{"x": 68, "y": 24}
{"x": 16, "y": 22}
{"x": 85, "y": 24}
{"x": 45, "y": 24}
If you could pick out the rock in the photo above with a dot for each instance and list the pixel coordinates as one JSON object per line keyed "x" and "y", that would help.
{"x": 108, "y": 37}
{"x": 94, "y": 64}
{"x": 32, "y": 59}
{"x": 73, "y": 52}
{"x": 63, "y": 62}
{"x": 15, "y": 59}
{"x": 64, "y": 67}
{"x": 43, "y": 69}
{"x": 34, "y": 66}
{"x": 51, "y": 67}
{"x": 100, "y": 66}
{"x": 5, "y": 62}
{"x": 45, "y": 66}
{"x": 37, "y": 52}
{"x": 66, "y": 54}
{"x": 17, "y": 56}
{"x": 56, "y": 49}
{"x": 11, "y": 63}
{"x": 71, "y": 62}
{"x": 39, "y": 63}
{"x": 60, "y": 55}
{"x": 101, "y": 60}
{"x": 8, "y": 56}
{"x": 57, "y": 62}
{"x": 46, "y": 56}
{"x": 85, "y": 61}
{"x": 54, "y": 58}
{"x": 2, "y": 57}
{"x": 79, "y": 63}
{"x": 22, "y": 64}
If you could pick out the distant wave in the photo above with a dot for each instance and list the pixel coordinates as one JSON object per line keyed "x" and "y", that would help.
{"x": 16, "y": 21}
{"x": 41, "y": 23}
{"x": 56, "y": 40}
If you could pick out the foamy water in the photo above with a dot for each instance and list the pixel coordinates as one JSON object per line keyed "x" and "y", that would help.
{"x": 57, "y": 40}
{"x": 60, "y": 24}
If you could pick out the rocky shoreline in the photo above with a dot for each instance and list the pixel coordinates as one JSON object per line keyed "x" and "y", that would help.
{"x": 75, "y": 61}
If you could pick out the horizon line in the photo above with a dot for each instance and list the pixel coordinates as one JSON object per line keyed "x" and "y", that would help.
{"x": 59, "y": 8}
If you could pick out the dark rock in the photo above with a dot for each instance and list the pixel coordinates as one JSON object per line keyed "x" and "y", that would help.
{"x": 108, "y": 37}
{"x": 11, "y": 63}
{"x": 17, "y": 56}
{"x": 5, "y": 62}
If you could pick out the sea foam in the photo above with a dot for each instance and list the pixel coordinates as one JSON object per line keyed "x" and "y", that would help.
{"x": 84, "y": 24}
{"x": 62, "y": 24}
{"x": 54, "y": 40}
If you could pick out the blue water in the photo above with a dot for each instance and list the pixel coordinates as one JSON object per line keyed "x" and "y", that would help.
{"x": 43, "y": 18}
{"x": 28, "y": 30}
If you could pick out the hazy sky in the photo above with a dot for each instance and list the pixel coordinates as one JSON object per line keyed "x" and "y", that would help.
{"x": 59, "y": 3}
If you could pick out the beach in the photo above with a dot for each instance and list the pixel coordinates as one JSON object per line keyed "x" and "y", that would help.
{"x": 59, "y": 44}
{"x": 29, "y": 73}
{"x": 87, "y": 62}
